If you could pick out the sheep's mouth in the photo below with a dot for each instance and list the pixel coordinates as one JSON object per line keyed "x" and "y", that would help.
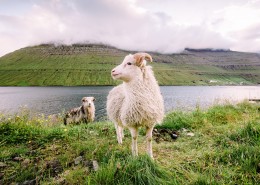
{"x": 115, "y": 74}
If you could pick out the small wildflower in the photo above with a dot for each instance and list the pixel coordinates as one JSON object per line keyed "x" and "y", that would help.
{"x": 29, "y": 141}
{"x": 65, "y": 130}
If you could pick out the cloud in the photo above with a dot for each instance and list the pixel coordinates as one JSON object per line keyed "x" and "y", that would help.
{"x": 240, "y": 24}
{"x": 124, "y": 24}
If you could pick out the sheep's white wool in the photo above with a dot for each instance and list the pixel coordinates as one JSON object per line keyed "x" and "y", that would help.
{"x": 90, "y": 113}
{"x": 115, "y": 100}
{"x": 85, "y": 113}
{"x": 138, "y": 101}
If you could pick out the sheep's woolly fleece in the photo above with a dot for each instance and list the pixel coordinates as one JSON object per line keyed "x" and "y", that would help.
{"x": 137, "y": 103}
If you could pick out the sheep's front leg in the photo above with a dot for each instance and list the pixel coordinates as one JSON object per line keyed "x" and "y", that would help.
{"x": 134, "y": 132}
{"x": 149, "y": 133}
{"x": 119, "y": 131}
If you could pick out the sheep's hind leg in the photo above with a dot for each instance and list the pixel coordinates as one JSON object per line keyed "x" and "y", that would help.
{"x": 134, "y": 133}
{"x": 122, "y": 132}
{"x": 149, "y": 133}
{"x": 119, "y": 130}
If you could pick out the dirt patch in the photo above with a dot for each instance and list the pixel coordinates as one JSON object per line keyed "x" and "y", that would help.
{"x": 162, "y": 134}
{"x": 55, "y": 167}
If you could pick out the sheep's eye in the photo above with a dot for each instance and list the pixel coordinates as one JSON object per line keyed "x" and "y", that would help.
{"x": 129, "y": 63}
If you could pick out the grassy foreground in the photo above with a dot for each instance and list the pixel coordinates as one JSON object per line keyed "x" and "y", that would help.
{"x": 225, "y": 149}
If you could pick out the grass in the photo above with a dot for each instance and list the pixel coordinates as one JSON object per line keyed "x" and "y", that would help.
{"x": 46, "y": 65}
{"x": 225, "y": 149}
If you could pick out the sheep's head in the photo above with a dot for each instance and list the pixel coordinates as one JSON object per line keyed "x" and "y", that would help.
{"x": 88, "y": 101}
{"x": 131, "y": 67}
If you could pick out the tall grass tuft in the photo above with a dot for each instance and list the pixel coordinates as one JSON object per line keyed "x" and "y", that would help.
{"x": 132, "y": 171}
{"x": 250, "y": 134}
{"x": 219, "y": 115}
{"x": 176, "y": 121}
{"x": 18, "y": 132}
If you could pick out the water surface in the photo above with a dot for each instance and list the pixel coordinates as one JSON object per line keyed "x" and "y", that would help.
{"x": 53, "y": 100}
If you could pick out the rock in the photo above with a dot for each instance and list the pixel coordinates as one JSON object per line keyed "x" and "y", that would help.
{"x": 25, "y": 163}
{"x": 2, "y": 165}
{"x": 78, "y": 160}
{"x": 17, "y": 159}
{"x": 190, "y": 134}
{"x": 91, "y": 165}
{"x": 95, "y": 165}
{"x": 173, "y": 136}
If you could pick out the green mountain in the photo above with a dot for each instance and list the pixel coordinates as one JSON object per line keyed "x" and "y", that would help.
{"x": 90, "y": 64}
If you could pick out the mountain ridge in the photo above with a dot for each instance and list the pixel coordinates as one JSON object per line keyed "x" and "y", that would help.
{"x": 90, "y": 64}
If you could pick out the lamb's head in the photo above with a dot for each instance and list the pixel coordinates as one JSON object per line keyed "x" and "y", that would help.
{"x": 132, "y": 67}
{"x": 88, "y": 101}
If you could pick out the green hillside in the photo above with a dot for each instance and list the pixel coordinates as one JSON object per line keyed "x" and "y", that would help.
{"x": 90, "y": 64}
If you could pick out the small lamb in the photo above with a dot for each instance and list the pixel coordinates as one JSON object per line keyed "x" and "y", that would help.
{"x": 137, "y": 102}
{"x": 85, "y": 113}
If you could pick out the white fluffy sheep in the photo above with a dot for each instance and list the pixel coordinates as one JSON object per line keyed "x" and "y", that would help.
{"x": 84, "y": 113}
{"x": 137, "y": 101}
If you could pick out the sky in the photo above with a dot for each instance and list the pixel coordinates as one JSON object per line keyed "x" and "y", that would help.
{"x": 166, "y": 26}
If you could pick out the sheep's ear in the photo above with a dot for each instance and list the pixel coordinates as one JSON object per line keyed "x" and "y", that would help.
{"x": 141, "y": 59}
{"x": 94, "y": 99}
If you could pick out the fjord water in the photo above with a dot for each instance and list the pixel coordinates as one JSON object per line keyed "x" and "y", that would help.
{"x": 53, "y": 100}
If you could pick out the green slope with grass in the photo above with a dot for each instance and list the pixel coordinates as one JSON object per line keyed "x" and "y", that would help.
{"x": 89, "y": 64}
{"x": 225, "y": 149}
